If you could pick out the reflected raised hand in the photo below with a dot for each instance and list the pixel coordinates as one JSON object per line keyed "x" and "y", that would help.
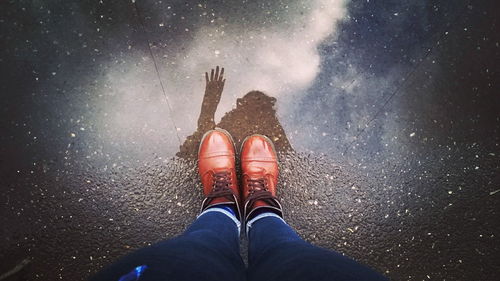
{"x": 214, "y": 85}
{"x": 213, "y": 92}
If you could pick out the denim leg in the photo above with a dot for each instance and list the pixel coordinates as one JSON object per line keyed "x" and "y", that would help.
{"x": 207, "y": 250}
{"x": 276, "y": 252}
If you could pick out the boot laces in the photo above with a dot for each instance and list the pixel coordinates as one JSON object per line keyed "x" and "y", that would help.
{"x": 257, "y": 185}
{"x": 221, "y": 184}
{"x": 259, "y": 190}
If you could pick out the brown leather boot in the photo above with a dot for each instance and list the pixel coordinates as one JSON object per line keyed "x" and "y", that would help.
{"x": 259, "y": 175}
{"x": 216, "y": 164}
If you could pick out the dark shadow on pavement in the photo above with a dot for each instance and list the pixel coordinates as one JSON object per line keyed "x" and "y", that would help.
{"x": 254, "y": 114}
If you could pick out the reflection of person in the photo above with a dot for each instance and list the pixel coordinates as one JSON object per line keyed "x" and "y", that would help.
{"x": 254, "y": 113}
{"x": 209, "y": 248}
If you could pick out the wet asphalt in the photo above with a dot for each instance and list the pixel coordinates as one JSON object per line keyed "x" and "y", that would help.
{"x": 389, "y": 154}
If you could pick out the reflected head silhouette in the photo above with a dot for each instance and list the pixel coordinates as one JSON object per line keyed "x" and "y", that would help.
{"x": 254, "y": 114}
{"x": 257, "y": 100}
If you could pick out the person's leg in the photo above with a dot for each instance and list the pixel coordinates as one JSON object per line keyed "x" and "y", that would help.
{"x": 207, "y": 250}
{"x": 276, "y": 252}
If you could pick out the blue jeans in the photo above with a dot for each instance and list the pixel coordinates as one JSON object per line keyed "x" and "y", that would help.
{"x": 209, "y": 250}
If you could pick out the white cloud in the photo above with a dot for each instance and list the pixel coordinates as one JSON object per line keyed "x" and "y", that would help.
{"x": 277, "y": 59}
